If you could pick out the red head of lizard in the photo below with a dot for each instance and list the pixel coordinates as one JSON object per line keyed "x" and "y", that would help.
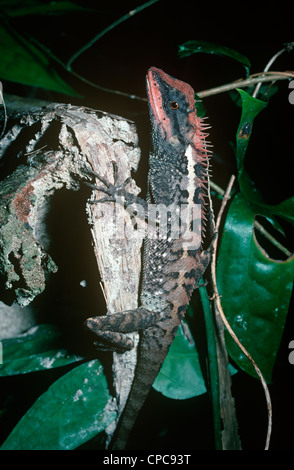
{"x": 172, "y": 104}
{"x": 178, "y": 138}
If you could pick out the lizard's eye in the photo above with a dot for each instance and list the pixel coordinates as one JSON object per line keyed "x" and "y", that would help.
{"x": 174, "y": 105}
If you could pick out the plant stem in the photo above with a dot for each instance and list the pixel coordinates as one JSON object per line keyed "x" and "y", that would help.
{"x": 267, "y": 67}
{"x": 98, "y": 36}
{"x": 251, "y": 80}
{"x": 212, "y": 365}
{"x": 225, "y": 421}
{"x": 220, "y": 311}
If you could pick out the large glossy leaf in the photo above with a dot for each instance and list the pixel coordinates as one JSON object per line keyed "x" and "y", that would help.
{"x": 73, "y": 410}
{"x": 23, "y": 62}
{"x": 180, "y": 376}
{"x": 194, "y": 47}
{"x": 284, "y": 209}
{"x": 255, "y": 290}
{"x": 39, "y": 349}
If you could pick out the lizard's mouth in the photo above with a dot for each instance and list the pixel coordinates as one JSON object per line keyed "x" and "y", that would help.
{"x": 157, "y": 80}
{"x": 153, "y": 92}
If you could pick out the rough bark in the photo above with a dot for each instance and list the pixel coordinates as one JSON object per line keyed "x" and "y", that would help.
{"x": 48, "y": 148}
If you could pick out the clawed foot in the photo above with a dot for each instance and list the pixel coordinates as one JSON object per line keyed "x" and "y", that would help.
{"x": 112, "y": 330}
{"x": 111, "y": 190}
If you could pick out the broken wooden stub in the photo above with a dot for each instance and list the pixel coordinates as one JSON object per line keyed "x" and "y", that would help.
{"x": 55, "y": 146}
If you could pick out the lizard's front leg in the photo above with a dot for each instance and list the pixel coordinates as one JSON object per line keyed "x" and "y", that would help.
{"x": 111, "y": 329}
{"x": 115, "y": 192}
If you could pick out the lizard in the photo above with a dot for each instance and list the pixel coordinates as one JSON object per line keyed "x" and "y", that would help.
{"x": 172, "y": 267}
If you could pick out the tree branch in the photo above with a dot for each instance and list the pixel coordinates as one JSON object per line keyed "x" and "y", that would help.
{"x": 98, "y": 36}
{"x": 260, "y": 77}
{"x": 80, "y": 138}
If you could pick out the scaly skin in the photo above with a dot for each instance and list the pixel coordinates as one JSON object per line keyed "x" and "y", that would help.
{"x": 172, "y": 267}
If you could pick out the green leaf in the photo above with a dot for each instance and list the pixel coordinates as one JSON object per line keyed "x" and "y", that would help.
{"x": 265, "y": 91}
{"x": 72, "y": 411}
{"x": 285, "y": 209}
{"x": 16, "y": 8}
{"x": 201, "y": 111}
{"x": 22, "y": 62}
{"x": 255, "y": 290}
{"x": 38, "y": 349}
{"x": 251, "y": 107}
{"x": 193, "y": 47}
{"x": 180, "y": 376}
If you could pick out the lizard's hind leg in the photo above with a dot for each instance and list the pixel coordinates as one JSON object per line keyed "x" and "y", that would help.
{"x": 112, "y": 329}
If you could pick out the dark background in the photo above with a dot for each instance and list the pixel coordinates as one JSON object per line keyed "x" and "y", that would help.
{"x": 120, "y": 61}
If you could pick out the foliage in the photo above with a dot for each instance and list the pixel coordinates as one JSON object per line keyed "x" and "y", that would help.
{"x": 39, "y": 349}
{"x": 70, "y": 412}
{"x": 255, "y": 289}
{"x": 193, "y": 47}
{"x": 23, "y": 61}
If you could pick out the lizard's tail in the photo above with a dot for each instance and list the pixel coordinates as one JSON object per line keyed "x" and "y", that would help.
{"x": 149, "y": 364}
